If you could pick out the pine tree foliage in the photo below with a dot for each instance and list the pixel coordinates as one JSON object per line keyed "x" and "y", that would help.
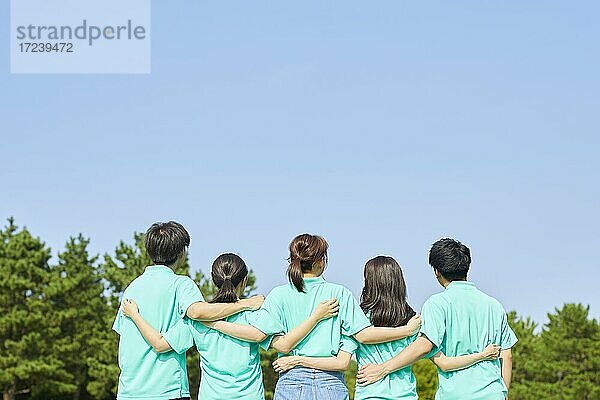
{"x": 26, "y": 317}
{"x": 78, "y": 304}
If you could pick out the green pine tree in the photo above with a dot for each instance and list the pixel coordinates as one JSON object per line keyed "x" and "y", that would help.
{"x": 76, "y": 296}
{"x": 427, "y": 379}
{"x": 526, "y": 354}
{"x": 350, "y": 378}
{"x": 569, "y": 356}
{"x": 28, "y": 330}
{"x": 562, "y": 362}
{"x": 269, "y": 375}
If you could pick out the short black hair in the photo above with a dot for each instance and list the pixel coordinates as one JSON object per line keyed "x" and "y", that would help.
{"x": 166, "y": 241}
{"x": 451, "y": 258}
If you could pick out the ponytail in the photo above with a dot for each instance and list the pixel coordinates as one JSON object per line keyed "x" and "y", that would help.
{"x": 227, "y": 292}
{"x": 228, "y": 271}
{"x": 305, "y": 251}
{"x": 295, "y": 275}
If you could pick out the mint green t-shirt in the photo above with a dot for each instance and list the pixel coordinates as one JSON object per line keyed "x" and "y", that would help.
{"x": 463, "y": 320}
{"x": 163, "y": 299}
{"x": 399, "y": 385}
{"x": 288, "y": 307}
{"x": 230, "y": 367}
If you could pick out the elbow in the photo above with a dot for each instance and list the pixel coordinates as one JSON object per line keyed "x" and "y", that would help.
{"x": 443, "y": 367}
{"x": 198, "y": 312}
{"x": 282, "y": 348}
{"x": 160, "y": 348}
{"x": 198, "y": 315}
{"x": 344, "y": 365}
{"x": 362, "y": 337}
{"x": 259, "y": 337}
{"x": 507, "y": 357}
{"x": 425, "y": 347}
{"x": 193, "y": 313}
{"x": 282, "y": 345}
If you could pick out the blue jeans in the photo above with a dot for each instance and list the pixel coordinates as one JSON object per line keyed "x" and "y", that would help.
{"x": 311, "y": 384}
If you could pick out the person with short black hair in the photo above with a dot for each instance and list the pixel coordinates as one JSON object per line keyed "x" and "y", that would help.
{"x": 460, "y": 320}
{"x": 164, "y": 298}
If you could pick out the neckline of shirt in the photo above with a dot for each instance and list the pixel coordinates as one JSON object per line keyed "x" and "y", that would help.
{"x": 314, "y": 280}
{"x": 461, "y": 285}
{"x": 158, "y": 268}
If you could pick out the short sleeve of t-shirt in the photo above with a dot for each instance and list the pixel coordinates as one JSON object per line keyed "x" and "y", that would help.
{"x": 180, "y": 336}
{"x": 352, "y": 316}
{"x": 270, "y": 316}
{"x": 118, "y": 320}
{"x": 264, "y": 322}
{"x": 508, "y": 337}
{"x": 188, "y": 293}
{"x": 348, "y": 344}
{"x": 433, "y": 321}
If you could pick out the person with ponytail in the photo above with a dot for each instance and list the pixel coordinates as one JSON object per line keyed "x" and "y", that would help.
{"x": 230, "y": 365}
{"x": 384, "y": 301}
{"x": 292, "y": 303}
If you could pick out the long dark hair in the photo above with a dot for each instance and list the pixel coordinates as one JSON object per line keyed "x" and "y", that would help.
{"x": 228, "y": 271}
{"x": 384, "y": 294}
{"x": 305, "y": 251}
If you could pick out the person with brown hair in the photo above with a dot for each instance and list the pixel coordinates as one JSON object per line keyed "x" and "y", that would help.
{"x": 292, "y": 303}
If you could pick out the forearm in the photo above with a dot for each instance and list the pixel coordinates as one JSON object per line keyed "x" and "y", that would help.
{"x": 411, "y": 354}
{"x": 152, "y": 336}
{"x": 373, "y": 335}
{"x": 286, "y": 343}
{"x": 448, "y": 364}
{"x": 243, "y": 332}
{"x": 202, "y": 311}
{"x": 337, "y": 363}
{"x": 506, "y": 360}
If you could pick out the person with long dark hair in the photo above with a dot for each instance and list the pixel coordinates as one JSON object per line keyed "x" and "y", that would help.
{"x": 461, "y": 320}
{"x": 230, "y": 366}
{"x": 384, "y": 301}
{"x": 321, "y": 375}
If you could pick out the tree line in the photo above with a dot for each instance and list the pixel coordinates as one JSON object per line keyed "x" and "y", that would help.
{"x": 57, "y": 343}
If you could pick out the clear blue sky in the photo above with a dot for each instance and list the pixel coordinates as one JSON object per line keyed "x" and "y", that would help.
{"x": 382, "y": 126}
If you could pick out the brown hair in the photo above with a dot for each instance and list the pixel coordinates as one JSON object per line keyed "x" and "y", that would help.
{"x": 305, "y": 251}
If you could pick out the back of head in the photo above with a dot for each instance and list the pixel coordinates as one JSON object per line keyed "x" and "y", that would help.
{"x": 384, "y": 293}
{"x": 451, "y": 259}
{"x": 166, "y": 242}
{"x": 228, "y": 271}
{"x": 306, "y": 252}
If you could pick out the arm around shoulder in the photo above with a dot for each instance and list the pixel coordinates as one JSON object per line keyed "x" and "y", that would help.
{"x": 371, "y": 373}
{"x": 202, "y": 311}
{"x": 338, "y": 363}
{"x": 373, "y": 335}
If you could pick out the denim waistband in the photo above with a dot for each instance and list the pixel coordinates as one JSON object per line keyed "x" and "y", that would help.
{"x": 302, "y": 373}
